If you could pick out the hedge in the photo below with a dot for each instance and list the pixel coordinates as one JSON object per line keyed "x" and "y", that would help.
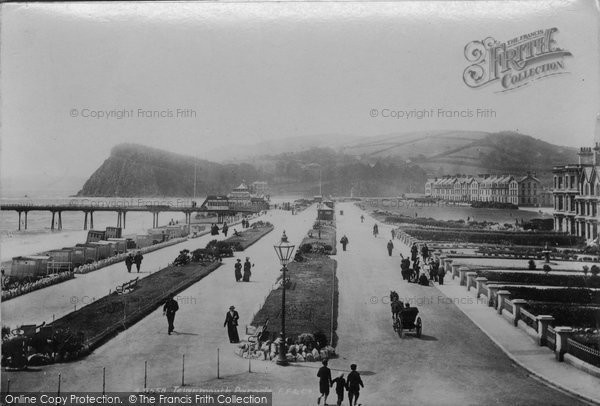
{"x": 494, "y": 237}
{"x": 563, "y": 295}
{"x": 572, "y": 316}
{"x": 530, "y": 278}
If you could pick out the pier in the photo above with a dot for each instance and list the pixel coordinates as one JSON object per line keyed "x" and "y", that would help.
{"x": 88, "y": 211}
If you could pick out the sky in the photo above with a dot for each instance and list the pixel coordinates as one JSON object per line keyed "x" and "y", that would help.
{"x": 229, "y": 74}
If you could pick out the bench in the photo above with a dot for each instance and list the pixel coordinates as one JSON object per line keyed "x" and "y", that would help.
{"x": 254, "y": 333}
{"x": 127, "y": 286}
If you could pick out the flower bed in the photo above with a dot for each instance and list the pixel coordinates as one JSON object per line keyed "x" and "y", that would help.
{"x": 26, "y": 287}
{"x": 493, "y": 237}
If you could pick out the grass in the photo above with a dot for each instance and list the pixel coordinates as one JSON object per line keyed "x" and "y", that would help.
{"x": 249, "y": 236}
{"x": 311, "y": 302}
{"x": 105, "y": 317}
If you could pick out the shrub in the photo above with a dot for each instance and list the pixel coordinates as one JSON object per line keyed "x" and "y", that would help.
{"x": 298, "y": 257}
{"x": 546, "y": 268}
{"x": 305, "y": 248}
{"x": 595, "y": 270}
{"x": 532, "y": 265}
{"x": 586, "y": 269}
{"x": 307, "y": 339}
{"x": 320, "y": 339}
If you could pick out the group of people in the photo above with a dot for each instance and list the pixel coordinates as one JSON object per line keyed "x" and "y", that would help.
{"x": 424, "y": 268}
{"x": 134, "y": 259}
{"x": 247, "y": 270}
{"x": 352, "y": 385}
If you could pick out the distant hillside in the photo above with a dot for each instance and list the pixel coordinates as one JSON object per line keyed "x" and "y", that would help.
{"x": 467, "y": 152}
{"x": 137, "y": 170}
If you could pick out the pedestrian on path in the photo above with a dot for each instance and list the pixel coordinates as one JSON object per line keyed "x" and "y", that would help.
{"x": 393, "y": 233}
{"x": 375, "y": 230}
{"x": 440, "y": 274}
{"x": 340, "y": 387}
{"x": 414, "y": 252}
{"x": 169, "y": 309}
{"x": 324, "y": 376}
{"x": 354, "y": 385}
{"x": 138, "y": 260}
{"x": 231, "y": 321}
{"x": 247, "y": 270}
{"x": 238, "y": 270}
{"x": 425, "y": 252}
{"x": 344, "y": 241}
{"x": 129, "y": 262}
{"x": 225, "y": 229}
{"x": 362, "y": 218}
{"x": 390, "y": 247}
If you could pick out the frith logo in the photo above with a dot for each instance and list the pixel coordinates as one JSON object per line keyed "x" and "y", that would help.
{"x": 514, "y": 63}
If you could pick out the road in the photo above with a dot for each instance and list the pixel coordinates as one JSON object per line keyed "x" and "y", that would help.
{"x": 453, "y": 363}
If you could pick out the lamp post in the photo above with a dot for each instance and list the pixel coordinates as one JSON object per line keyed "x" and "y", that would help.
{"x": 284, "y": 252}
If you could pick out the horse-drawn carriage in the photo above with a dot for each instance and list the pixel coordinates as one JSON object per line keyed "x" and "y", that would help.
{"x": 405, "y": 318}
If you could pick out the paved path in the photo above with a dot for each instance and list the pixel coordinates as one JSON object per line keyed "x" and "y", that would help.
{"x": 540, "y": 361}
{"x": 198, "y": 324}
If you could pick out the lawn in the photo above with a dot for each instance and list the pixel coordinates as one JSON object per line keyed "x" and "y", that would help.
{"x": 103, "y": 318}
{"x": 250, "y": 235}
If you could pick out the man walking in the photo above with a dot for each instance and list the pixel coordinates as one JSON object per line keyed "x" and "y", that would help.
{"x": 138, "y": 260}
{"x": 344, "y": 242}
{"x": 231, "y": 321}
{"x": 390, "y": 247}
{"x": 324, "y": 376}
{"x": 171, "y": 306}
{"x": 225, "y": 229}
{"x": 238, "y": 270}
{"x": 354, "y": 385}
{"x": 129, "y": 262}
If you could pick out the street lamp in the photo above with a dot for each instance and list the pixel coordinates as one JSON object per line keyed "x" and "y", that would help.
{"x": 284, "y": 252}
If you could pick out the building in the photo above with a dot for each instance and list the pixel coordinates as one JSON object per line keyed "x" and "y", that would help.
{"x": 240, "y": 196}
{"x": 577, "y": 195}
{"x": 530, "y": 190}
{"x": 481, "y": 188}
{"x": 260, "y": 189}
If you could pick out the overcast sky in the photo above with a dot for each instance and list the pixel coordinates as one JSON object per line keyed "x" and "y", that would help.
{"x": 257, "y": 71}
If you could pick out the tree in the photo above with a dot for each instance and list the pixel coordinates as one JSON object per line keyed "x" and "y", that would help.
{"x": 547, "y": 268}
{"x": 532, "y": 265}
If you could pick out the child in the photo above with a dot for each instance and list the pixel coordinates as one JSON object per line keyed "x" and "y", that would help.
{"x": 340, "y": 385}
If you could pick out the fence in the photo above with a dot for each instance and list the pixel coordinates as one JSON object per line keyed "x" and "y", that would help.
{"x": 551, "y": 339}
{"x": 529, "y": 319}
{"x": 583, "y": 352}
{"x": 178, "y": 380}
{"x": 507, "y": 305}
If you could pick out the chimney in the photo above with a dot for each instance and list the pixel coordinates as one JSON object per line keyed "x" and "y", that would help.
{"x": 586, "y": 157}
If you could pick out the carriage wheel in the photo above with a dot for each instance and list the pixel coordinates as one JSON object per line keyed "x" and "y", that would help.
{"x": 399, "y": 328}
{"x": 419, "y": 327}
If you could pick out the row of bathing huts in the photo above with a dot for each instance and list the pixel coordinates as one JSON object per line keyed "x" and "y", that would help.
{"x": 99, "y": 246}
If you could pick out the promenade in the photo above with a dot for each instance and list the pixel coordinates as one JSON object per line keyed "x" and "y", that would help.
{"x": 454, "y": 362}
